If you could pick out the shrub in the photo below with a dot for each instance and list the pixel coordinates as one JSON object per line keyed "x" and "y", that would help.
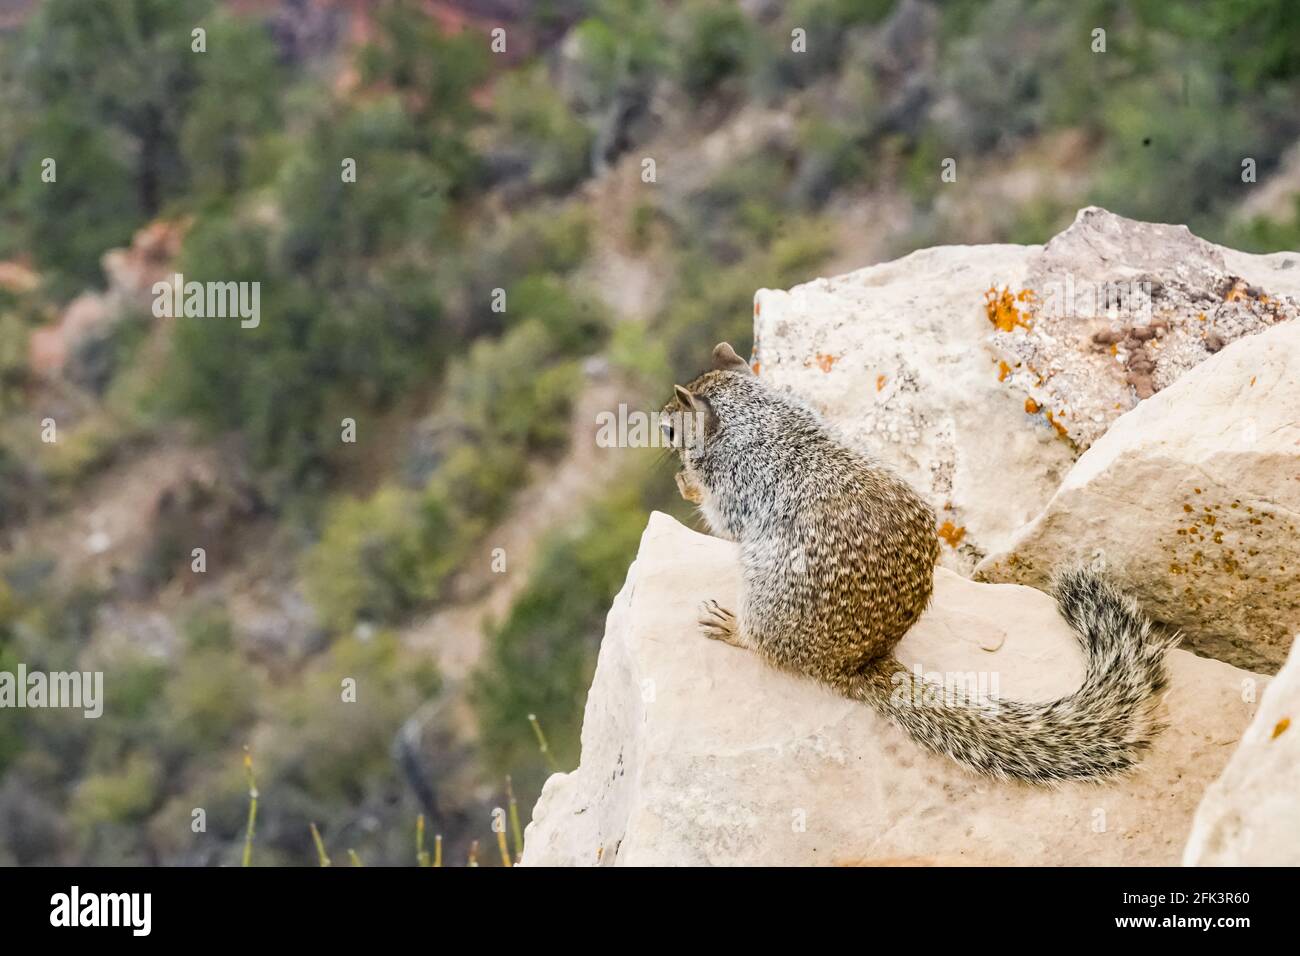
{"x": 123, "y": 795}
{"x": 1169, "y": 162}
{"x": 210, "y": 698}
{"x": 1263, "y": 234}
{"x": 379, "y": 559}
{"x": 536, "y": 123}
{"x": 337, "y": 750}
{"x": 540, "y": 658}
{"x": 549, "y": 239}
{"x": 714, "y": 303}
{"x": 368, "y": 564}
{"x": 714, "y": 42}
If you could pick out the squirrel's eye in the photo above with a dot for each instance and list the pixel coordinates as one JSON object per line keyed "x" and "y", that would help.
{"x": 667, "y": 428}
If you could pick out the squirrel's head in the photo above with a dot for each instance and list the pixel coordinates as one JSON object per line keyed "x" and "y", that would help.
{"x": 696, "y": 410}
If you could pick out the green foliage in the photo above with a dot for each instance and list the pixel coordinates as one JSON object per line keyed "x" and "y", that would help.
{"x": 511, "y": 390}
{"x": 114, "y": 95}
{"x": 535, "y": 123}
{"x": 1038, "y": 221}
{"x": 13, "y": 357}
{"x": 336, "y": 750}
{"x": 129, "y": 779}
{"x": 539, "y": 660}
{"x": 828, "y": 27}
{"x": 742, "y": 204}
{"x": 1169, "y": 160}
{"x": 1255, "y": 41}
{"x": 716, "y": 42}
{"x": 123, "y": 795}
{"x": 212, "y": 697}
{"x": 1263, "y": 234}
{"x": 923, "y": 168}
{"x": 396, "y": 204}
{"x": 715, "y": 303}
{"x": 11, "y": 736}
{"x": 433, "y": 74}
{"x": 1172, "y": 102}
{"x": 641, "y": 354}
{"x": 566, "y": 323}
{"x": 831, "y": 156}
{"x": 1011, "y": 68}
{"x": 622, "y": 45}
{"x": 94, "y": 206}
{"x": 370, "y": 562}
{"x": 83, "y": 450}
{"x": 235, "y": 103}
{"x": 98, "y": 356}
{"x": 509, "y": 399}
{"x": 544, "y": 239}
{"x": 348, "y": 320}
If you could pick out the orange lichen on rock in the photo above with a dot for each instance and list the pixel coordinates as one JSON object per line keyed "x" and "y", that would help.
{"x": 1060, "y": 429}
{"x": 1001, "y": 308}
{"x": 825, "y": 362}
{"x": 1031, "y": 406}
{"x": 1003, "y": 371}
{"x": 1281, "y": 727}
{"x": 1237, "y": 291}
{"x": 880, "y": 382}
{"x": 951, "y": 533}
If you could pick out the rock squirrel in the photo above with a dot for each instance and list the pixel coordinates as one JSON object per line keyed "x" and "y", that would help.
{"x": 838, "y": 555}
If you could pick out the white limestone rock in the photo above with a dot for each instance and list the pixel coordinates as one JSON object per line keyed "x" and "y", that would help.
{"x": 1192, "y": 500}
{"x": 1250, "y": 816}
{"x": 695, "y": 752}
{"x": 1117, "y": 310}
{"x": 896, "y": 356}
{"x": 976, "y": 372}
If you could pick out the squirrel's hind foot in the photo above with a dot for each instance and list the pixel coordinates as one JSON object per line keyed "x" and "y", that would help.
{"x": 719, "y": 624}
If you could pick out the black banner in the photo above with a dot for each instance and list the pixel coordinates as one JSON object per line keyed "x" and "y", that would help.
{"x": 368, "y": 904}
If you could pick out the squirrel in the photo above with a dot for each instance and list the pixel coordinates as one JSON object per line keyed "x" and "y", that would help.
{"x": 838, "y": 555}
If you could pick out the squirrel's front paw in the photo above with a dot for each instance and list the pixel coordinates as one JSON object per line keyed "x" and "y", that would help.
{"x": 719, "y": 624}
{"x": 688, "y": 489}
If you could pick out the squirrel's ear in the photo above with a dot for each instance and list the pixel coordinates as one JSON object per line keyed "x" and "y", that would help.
{"x": 725, "y": 359}
{"x": 684, "y": 396}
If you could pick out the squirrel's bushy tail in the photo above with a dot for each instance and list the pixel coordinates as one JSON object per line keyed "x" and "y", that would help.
{"x": 1101, "y": 729}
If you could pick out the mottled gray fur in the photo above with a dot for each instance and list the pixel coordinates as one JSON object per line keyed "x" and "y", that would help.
{"x": 837, "y": 556}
